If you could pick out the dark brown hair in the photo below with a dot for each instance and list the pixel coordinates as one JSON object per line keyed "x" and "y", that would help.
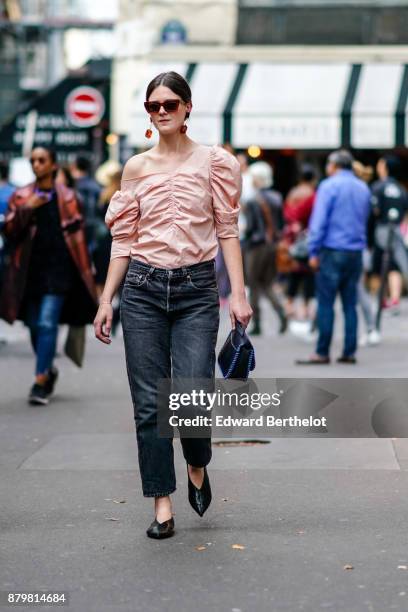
{"x": 68, "y": 176}
{"x": 173, "y": 81}
{"x": 52, "y": 154}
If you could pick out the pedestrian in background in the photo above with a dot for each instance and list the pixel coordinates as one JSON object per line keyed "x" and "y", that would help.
{"x": 64, "y": 177}
{"x": 6, "y": 191}
{"x": 103, "y": 239}
{"x": 48, "y": 278}
{"x": 297, "y": 212}
{"x": 89, "y": 192}
{"x": 248, "y": 190}
{"x": 103, "y": 244}
{"x": 337, "y": 238}
{"x": 263, "y": 224}
{"x": 371, "y": 337}
{"x": 6, "y": 188}
{"x": 175, "y": 200}
{"x": 248, "y": 193}
{"x": 388, "y": 194}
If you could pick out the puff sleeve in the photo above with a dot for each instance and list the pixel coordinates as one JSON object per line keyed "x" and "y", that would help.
{"x": 122, "y": 218}
{"x": 226, "y": 183}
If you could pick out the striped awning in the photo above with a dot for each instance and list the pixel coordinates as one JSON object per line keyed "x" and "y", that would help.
{"x": 295, "y": 105}
{"x": 379, "y": 108}
{"x": 287, "y": 105}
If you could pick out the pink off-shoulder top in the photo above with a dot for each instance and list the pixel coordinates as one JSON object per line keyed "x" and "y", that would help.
{"x": 173, "y": 219}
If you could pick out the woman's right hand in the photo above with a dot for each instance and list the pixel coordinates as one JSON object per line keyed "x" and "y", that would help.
{"x": 103, "y": 323}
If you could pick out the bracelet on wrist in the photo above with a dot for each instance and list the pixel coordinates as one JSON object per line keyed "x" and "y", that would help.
{"x": 105, "y": 302}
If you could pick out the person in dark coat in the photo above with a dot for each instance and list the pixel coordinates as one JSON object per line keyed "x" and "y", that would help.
{"x": 263, "y": 216}
{"x": 89, "y": 192}
{"x": 389, "y": 194}
{"x": 48, "y": 277}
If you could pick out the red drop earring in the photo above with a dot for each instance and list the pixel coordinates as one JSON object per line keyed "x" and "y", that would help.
{"x": 149, "y": 131}
{"x": 183, "y": 128}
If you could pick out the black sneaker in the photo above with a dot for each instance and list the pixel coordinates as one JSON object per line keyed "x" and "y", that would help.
{"x": 283, "y": 324}
{"x": 51, "y": 380}
{"x": 38, "y": 395}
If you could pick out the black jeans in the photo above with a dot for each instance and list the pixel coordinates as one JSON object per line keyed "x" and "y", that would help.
{"x": 170, "y": 322}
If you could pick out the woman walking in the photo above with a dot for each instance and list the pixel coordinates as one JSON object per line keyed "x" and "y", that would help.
{"x": 103, "y": 239}
{"x": 297, "y": 211}
{"x": 263, "y": 215}
{"x": 48, "y": 278}
{"x": 175, "y": 200}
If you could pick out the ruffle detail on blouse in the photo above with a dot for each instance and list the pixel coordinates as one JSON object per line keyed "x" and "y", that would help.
{"x": 122, "y": 219}
{"x": 226, "y": 184}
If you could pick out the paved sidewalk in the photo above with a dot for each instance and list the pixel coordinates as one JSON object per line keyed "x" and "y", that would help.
{"x": 300, "y": 510}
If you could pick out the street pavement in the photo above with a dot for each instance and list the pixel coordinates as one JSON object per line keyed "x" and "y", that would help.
{"x": 295, "y": 524}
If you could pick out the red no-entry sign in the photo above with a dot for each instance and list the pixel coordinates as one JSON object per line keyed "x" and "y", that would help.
{"x": 85, "y": 106}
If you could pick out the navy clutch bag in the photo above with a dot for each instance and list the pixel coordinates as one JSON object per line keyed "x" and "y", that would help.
{"x": 237, "y": 357}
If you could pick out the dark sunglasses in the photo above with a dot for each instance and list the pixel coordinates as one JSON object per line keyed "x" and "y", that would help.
{"x": 41, "y": 160}
{"x": 170, "y": 106}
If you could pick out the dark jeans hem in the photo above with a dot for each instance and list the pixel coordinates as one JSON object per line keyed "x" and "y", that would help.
{"x": 165, "y": 494}
{"x": 198, "y": 466}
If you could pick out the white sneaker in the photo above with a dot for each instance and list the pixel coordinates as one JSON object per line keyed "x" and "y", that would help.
{"x": 374, "y": 337}
{"x": 303, "y": 331}
{"x": 371, "y": 339}
{"x": 363, "y": 341}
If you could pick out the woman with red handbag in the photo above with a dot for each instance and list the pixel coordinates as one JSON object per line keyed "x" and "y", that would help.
{"x": 296, "y": 212}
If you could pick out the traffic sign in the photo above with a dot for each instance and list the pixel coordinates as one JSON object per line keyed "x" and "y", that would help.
{"x": 84, "y": 106}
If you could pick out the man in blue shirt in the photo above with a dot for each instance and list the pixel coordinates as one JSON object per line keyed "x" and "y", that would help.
{"x": 6, "y": 191}
{"x": 6, "y": 188}
{"x": 337, "y": 237}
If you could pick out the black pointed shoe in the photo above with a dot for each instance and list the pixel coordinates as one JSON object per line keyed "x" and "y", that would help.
{"x": 199, "y": 499}
{"x": 161, "y": 530}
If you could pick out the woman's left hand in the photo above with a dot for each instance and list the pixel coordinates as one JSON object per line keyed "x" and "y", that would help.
{"x": 240, "y": 310}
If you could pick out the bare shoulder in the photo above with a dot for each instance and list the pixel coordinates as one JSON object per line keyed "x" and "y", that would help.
{"x": 135, "y": 166}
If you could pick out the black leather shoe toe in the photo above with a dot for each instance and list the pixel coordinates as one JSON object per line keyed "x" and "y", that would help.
{"x": 161, "y": 530}
{"x": 199, "y": 499}
{"x": 346, "y": 359}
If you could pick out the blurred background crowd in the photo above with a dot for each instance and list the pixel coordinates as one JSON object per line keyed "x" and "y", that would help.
{"x": 281, "y": 84}
{"x": 274, "y": 236}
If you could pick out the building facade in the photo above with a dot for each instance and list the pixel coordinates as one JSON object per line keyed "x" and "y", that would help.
{"x": 286, "y": 76}
{"x": 38, "y": 39}
{"x": 322, "y": 22}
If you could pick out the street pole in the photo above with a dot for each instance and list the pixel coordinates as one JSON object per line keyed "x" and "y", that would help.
{"x": 29, "y": 132}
